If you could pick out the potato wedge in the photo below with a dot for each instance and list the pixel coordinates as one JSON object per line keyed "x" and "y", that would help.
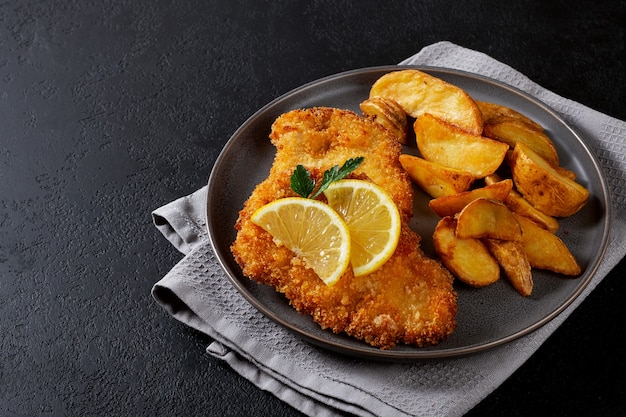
{"x": 435, "y": 179}
{"x": 486, "y": 218}
{"x": 514, "y": 262}
{"x": 495, "y": 113}
{"x": 387, "y": 113}
{"x": 518, "y": 204}
{"x": 448, "y": 145}
{"x": 452, "y": 204}
{"x": 566, "y": 172}
{"x": 468, "y": 259}
{"x": 513, "y": 131}
{"x": 418, "y": 93}
{"x": 545, "y": 250}
{"x": 544, "y": 187}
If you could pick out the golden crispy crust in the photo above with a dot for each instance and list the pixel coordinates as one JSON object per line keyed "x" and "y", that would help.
{"x": 409, "y": 300}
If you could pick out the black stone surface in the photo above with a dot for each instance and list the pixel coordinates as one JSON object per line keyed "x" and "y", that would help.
{"x": 109, "y": 109}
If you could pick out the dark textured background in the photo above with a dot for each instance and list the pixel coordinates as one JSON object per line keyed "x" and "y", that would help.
{"x": 109, "y": 109}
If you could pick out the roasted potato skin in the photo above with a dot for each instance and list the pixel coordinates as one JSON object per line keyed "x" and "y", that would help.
{"x": 434, "y": 179}
{"x": 545, "y": 250}
{"x": 513, "y": 131}
{"x": 494, "y": 113}
{"x": 493, "y": 175}
{"x": 389, "y": 114}
{"x": 418, "y": 93}
{"x": 468, "y": 259}
{"x": 486, "y": 218}
{"x": 543, "y": 186}
{"x": 448, "y": 145}
{"x": 518, "y": 204}
{"x": 452, "y": 204}
{"x": 514, "y": 262}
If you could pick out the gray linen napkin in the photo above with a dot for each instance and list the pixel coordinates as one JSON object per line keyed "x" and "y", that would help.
{"x": 321, "y": 383}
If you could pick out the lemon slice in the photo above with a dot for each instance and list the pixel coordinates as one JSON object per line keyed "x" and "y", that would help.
{"x": 373, "y": 220}
{"x": 312, "y": 230}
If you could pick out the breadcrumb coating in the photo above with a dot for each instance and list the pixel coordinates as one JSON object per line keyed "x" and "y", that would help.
{"x": 410, "y": 299}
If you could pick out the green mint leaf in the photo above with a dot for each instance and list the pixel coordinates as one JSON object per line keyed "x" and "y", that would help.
{"x": 301, "y": 181}
{"x": 335, "y": 173}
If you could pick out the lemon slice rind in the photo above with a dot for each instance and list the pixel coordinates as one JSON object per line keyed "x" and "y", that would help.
{"x": 312, "y": 230}
{"x": 372, "y": 218}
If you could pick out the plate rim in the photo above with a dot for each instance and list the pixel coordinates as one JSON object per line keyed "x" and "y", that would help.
{"x": 369, "y": 352}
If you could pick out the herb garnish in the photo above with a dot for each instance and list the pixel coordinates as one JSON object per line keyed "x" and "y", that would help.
{"x": 304, "y": 185}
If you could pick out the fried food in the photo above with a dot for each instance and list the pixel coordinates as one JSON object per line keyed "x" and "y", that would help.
{"x": 544, "y": 187}
{"x": 410, "y": 299}
{"x": 468, "y": 259}
{"x": 452, "y": 204}
{"x": 513, "y": 131}
{"x": 435, "y": 179}
{"x": 448, "y": 145}
{"x": 389, "y": 114}
{"x": 457, "y": 136}
{"x": 419, "y": 93}
{"x": 545, "y": 250}
{"x": 514, "y": 262}
{"x": 518, "y": 204}
{"x": 486, "y": 218}
{"x": 494, "y": 113}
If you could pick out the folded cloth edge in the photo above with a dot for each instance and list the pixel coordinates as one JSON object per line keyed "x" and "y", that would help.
{"x": 177, "y": 297}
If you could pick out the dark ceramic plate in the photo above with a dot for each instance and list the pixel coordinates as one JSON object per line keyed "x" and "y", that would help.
{"x": 486, "y": 317}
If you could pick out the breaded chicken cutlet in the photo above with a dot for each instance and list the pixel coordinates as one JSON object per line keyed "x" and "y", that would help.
{"x": 410, "y": 299}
